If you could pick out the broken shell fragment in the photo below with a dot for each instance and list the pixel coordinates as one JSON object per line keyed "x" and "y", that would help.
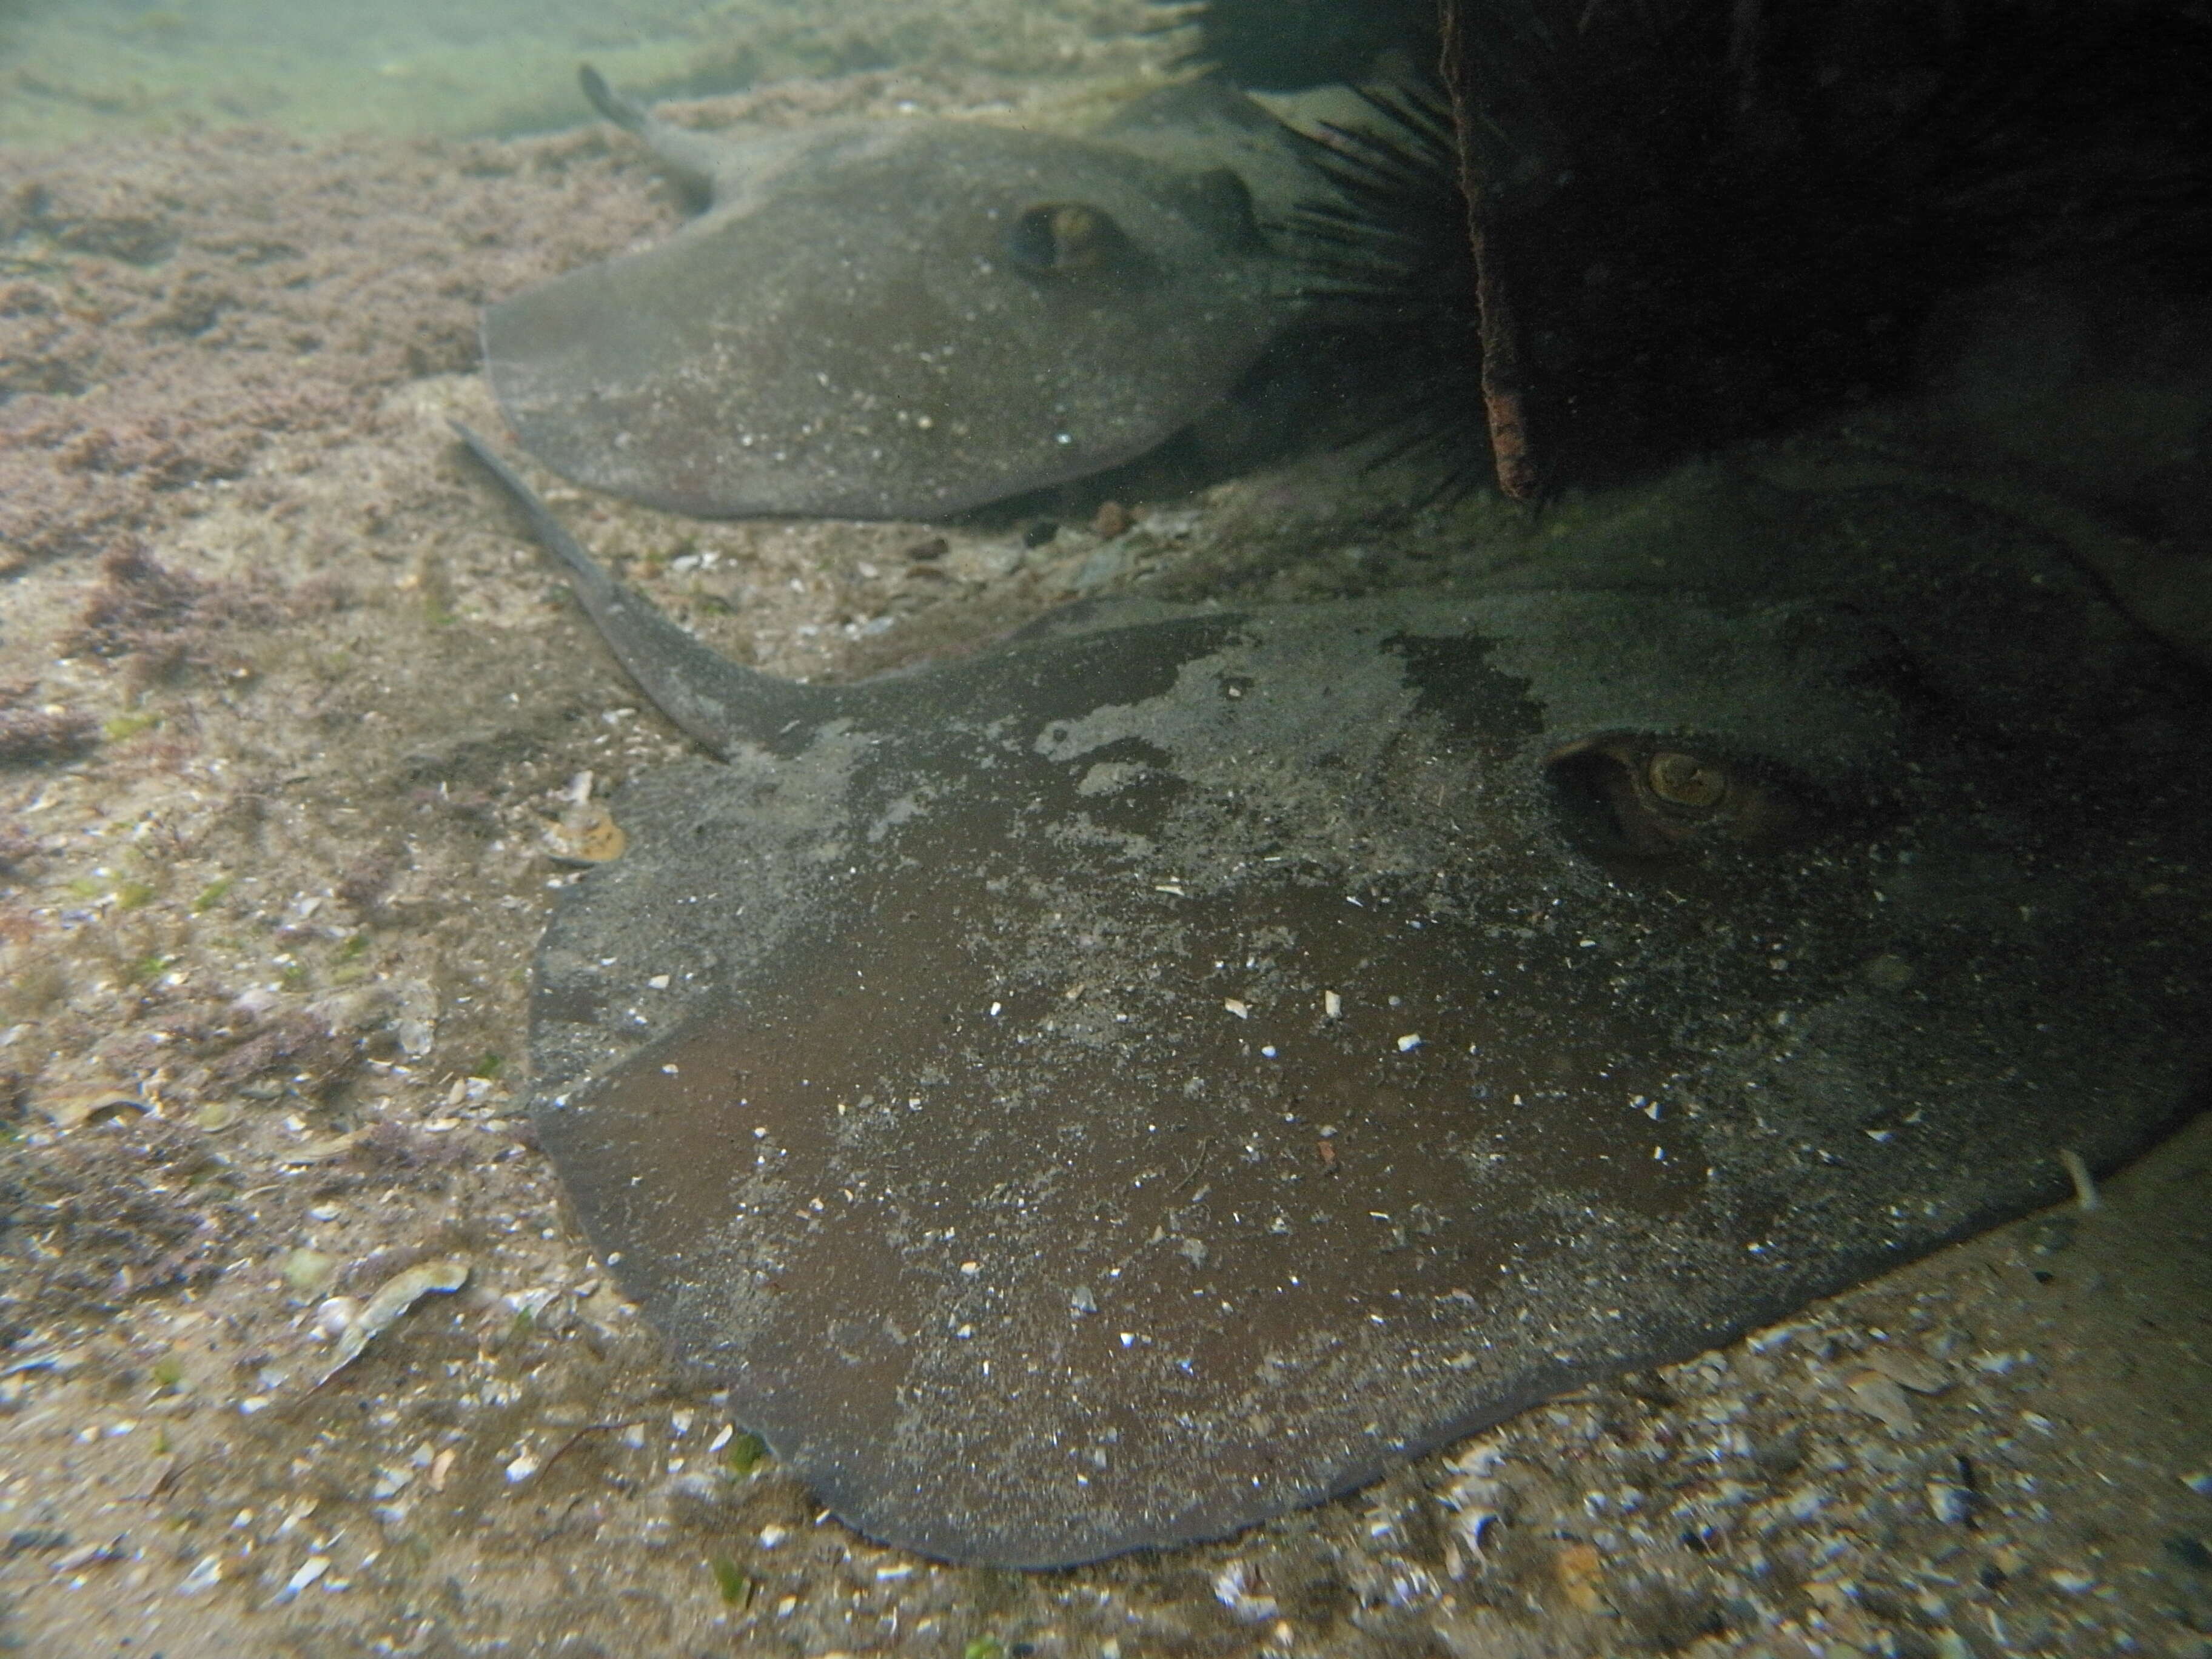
{"x": 1880, "y": 1398}
{"x": 1949, "y": 1502}
{"x": 335, "y": 1316}
{"x": 396, "y": 1296}
{"x": 586, "y": 834}
{"x": 74, "y": 1111}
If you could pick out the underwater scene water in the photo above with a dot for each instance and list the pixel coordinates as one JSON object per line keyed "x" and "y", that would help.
{"x": 1105, "y": 828}
{"x": 80, "y": 70}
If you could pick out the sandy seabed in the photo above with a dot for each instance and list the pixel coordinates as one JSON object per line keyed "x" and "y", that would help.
{"x": 290, "y": 711}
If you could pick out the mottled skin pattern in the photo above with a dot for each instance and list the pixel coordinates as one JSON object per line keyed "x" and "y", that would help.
{"x": 1154, "y": 1074}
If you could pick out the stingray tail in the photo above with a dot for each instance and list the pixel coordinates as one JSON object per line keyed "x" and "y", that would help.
{"x": 689, "y": 156}
{"x": 713, "y": 700}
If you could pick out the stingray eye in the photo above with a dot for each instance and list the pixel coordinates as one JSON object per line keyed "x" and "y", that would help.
{"x": 1624, "y": 792}
{"x": 1220, "y": 201}
{"x": 1687, "y": 779}
{"x": 1068, "y": 238}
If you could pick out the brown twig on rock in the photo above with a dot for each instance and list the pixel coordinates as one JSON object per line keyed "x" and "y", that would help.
{"x": 1502, "y": 403}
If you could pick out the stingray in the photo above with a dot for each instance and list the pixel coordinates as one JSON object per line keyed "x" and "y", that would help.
{"x": 1165, "y": 1069}
{"x": 909, "y": 319}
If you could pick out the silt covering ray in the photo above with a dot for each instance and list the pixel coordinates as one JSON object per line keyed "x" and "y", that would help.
{"x": 1159, "y": 1073}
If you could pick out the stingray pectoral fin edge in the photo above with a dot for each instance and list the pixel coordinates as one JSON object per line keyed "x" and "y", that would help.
{"x": 718, "y": 702}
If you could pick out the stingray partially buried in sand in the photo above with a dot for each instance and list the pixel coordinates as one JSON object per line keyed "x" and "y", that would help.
{"x": 910, "y": 319}
{"x": 1156, "y": 1073}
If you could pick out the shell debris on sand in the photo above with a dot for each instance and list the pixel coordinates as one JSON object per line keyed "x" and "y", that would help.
{"x": 394, "y": 1298}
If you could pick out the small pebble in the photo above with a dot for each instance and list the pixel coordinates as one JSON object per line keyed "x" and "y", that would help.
{"x": 307, "y": 1272}
{"x": 1879, "y": 1397}
{"x": 697, "y": 1500}
{"x": 216, "y": 1116}
{"x": 1908, "y": 1369}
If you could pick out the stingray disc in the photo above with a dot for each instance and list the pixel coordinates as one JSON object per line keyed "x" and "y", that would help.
{"x": 894, "y": 319}
{"x": 1148, "y": 1078}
